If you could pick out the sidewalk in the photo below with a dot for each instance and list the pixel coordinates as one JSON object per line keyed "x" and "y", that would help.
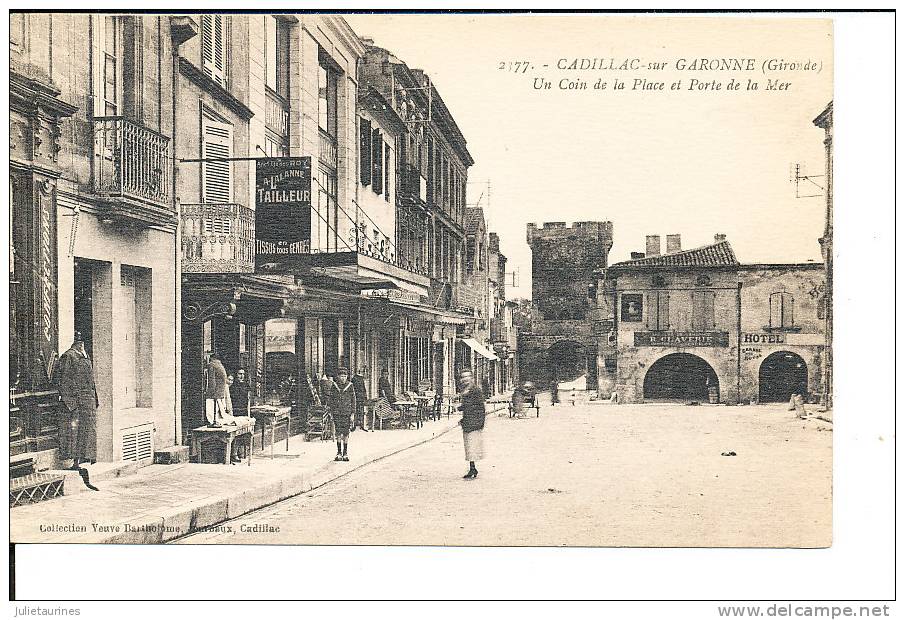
{"x": 162, "y": 502}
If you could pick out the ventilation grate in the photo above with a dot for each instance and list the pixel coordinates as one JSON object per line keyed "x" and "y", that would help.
{"x": 138, "y": 443}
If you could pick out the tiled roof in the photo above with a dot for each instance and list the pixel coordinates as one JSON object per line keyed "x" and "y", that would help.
{"x": 473, "y": 216}
{"x": 716, "y": 255}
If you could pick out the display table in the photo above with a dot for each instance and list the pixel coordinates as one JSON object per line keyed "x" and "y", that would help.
{"x": 224, "y": 435}
{"x": 272, "y": 416}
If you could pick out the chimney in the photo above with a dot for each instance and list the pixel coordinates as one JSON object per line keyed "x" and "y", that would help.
{"x": 637, "y": 255}
{"x": 673, "y": 244}
{"x": 719, "y": 238}
{"x": 653, "y": 245}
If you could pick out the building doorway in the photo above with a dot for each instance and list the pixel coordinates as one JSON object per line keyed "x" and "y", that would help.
{"x": 782, "y": 374}
{"x": 680, "y": 376}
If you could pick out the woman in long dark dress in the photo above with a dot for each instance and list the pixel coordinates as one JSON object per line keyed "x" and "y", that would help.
{"x": 472, "y": 422}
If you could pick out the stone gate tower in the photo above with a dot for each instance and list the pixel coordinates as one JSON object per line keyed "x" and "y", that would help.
{"x": 561, "y": 344}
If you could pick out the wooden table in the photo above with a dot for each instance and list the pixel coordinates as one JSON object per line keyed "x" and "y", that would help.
{"x": 272, "y": 416}
{"x": 225, "y": 435}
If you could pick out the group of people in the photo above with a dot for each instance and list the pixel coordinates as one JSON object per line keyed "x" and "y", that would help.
{"x": 227, "y": 397}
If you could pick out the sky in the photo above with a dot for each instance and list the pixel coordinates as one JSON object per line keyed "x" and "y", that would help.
{"x": 688, "y": 162}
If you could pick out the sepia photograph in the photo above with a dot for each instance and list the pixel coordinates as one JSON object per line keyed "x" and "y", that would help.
{"x": 421, "y": 279}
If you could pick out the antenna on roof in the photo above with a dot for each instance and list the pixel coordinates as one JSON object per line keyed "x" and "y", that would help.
{"x": 796, "y": 176}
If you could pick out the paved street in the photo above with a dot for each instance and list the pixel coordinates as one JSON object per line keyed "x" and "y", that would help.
{"x": 628, "y": 475}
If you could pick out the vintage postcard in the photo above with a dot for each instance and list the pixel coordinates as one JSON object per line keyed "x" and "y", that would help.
{"x": 413, "y": 279}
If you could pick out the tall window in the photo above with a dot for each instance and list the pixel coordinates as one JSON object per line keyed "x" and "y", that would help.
{"x": 327, "y": 218}
{"x": 276, "y": 55}
{"x": 658, "y": 310}
{"x": 217, "y": 176}
{"x": 377, "y": 161}
{"x": 109, "y": 73}
{"x": 215, "y": 47}
{"x": 702, "y": 315}
{"x": 782, "y": 310}
{"x": 326, "y": 109}
{"x": 326, "y": 177}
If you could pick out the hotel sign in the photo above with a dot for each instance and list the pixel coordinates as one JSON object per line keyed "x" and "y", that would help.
{"x": 681, "y": 339}
{"x": 282, "y": 212}
{"x": 754, "y": 338}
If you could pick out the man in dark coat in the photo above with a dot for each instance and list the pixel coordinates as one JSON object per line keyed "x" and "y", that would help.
{"x": 472, "y": 422}
{"x": 342, "y": 406}
{"x": 361, "y": 396}
{"x": 79, "y": 394}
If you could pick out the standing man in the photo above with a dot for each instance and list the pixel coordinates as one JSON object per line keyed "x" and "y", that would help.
{"x": 472, "y": 422}
{"x": 79, "y": 395}
{"x": 239, "y": 392}
{"x": 361, "y": 396}
{"x": 342, "y": 405}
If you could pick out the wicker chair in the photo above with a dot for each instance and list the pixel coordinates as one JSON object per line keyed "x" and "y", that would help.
{"x": 386, "y": 414}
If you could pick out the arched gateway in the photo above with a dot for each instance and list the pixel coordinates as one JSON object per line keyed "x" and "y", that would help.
{"x": 782, "y": 374}
{"x": 680, "y": 376}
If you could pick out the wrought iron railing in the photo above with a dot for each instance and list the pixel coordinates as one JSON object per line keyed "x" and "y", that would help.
{"x": 327, "y": 150}
{"x": 131, "y": 160}
{"x": 379, "y": 249}
{"x": 218, "y": 238}
{"x": 276, "y": 114}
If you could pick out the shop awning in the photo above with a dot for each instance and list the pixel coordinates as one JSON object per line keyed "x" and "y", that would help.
{"x": 479, "y": 348}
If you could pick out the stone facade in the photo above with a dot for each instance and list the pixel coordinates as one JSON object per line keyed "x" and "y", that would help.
{"x": 697, "y": 325}
{"x": 96, "y": 101}
{"x": 564, "y": 261}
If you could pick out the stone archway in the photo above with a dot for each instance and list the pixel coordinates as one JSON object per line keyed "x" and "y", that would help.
{"x": 680, "y": 376}
{"x": 782, "y": 374}
{"x": 566, "y": 360}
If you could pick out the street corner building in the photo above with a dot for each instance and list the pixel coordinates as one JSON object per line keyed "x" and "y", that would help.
{"x": 94, "y": 222}
{"x": 272, "y": 189}
{"x": 698, "y": 326}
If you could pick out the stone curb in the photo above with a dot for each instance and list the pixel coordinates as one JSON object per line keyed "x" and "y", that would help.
{"x": 208, "y": 512}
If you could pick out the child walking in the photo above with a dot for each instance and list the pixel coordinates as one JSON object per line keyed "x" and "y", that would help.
{"x": 343, "y": 405}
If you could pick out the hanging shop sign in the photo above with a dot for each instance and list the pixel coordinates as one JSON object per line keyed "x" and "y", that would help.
{"x": 282, "y": 213}
{"x": 681, "y": 339}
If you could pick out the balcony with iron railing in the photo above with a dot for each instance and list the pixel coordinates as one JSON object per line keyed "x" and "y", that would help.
{"x": 131, "y": 161}
{"x": 276, "y": 114}
{"x": 327, "y": 149}
{"x": 217, "y": 238}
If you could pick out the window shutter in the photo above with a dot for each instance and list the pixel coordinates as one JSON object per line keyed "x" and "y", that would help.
{"x": 651, "y": 301}
{"x": 788, "y": 310}
{"x": 365, "y": 152}
{"x": 663, "y": 311}
{"x": 217, "y": 176}
{"x": 377, "y": 154}
{"x": 709, "y": 317}
{"x": 776, "y": 310}
{"x": 213, "y": 47}
{"x": 386, "y": 172}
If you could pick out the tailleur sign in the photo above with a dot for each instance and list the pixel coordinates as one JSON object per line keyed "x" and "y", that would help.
{"x": 282, "y": 213}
